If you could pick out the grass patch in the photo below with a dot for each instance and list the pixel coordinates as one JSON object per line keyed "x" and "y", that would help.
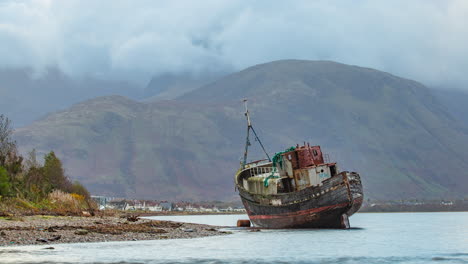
{"x": 11, "y": 218}
{"x": 57, "y": 203}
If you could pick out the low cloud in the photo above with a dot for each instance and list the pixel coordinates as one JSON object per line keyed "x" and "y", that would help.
{"x": 423, "y": 40}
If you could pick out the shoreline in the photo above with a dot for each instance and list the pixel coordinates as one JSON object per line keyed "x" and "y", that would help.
{"x": 175, "y": 213}
{"x": 49, "y": 230}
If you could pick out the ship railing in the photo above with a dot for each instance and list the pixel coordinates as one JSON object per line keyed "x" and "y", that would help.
{"x": 260, "y": 170}
{"x": 326, "y": 158}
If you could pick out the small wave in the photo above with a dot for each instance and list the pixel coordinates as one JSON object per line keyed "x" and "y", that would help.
{"x": 440, "y": 258}
{"x": 452, "y": 258}
{"x": 10, "y": 251}
{"x": 120, "y": 262}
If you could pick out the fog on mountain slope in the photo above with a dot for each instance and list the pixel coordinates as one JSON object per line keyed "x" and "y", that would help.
{"x": 25, "y": 97}
{"x": 392, "y": 131}
{"x": 170, "y": 86}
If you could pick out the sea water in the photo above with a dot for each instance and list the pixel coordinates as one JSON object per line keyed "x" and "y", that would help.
{"x": 374, "y": 238}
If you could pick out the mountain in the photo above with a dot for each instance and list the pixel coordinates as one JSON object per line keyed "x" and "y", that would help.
{"x": 26, "y": 96}
{"x": 456, "y": 102}
{"x": 393, "y": 131}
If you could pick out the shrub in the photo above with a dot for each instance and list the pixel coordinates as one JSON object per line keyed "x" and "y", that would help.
{"x": 78, "y": 188}
{"x": 66, "y": 203}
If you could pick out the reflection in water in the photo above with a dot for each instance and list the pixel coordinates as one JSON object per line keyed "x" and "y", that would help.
{"x": 377, "y": 238}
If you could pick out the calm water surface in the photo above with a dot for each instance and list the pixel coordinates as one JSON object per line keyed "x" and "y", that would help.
{"x": 375, "y": 238}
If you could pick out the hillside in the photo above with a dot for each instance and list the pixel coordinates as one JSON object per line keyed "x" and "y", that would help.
{"x": 120, "y": 147}
{"x": 391, "y": 130}
{"x": 455, "y": 101}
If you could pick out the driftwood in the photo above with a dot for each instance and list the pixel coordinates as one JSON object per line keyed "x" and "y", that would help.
{"x": 45, "y": 240}
{"x": 133, "y": 218}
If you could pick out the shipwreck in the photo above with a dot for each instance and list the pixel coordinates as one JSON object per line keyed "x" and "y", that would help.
{"x": 297, "y": 188}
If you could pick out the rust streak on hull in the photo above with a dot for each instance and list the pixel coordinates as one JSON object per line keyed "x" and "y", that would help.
{"x": 299, "y": 213}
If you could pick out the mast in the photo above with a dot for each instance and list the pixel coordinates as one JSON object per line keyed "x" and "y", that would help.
{"x": 247, "y": 140}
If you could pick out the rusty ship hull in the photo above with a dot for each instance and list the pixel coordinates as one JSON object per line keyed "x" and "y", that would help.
{"x": 325, "y": 206}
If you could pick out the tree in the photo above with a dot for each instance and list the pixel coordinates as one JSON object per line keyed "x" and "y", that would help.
{"x": 54, "y": 173}
{"x": 10, "y": 160}
{"x": 7, "y": 144}
{"x": 31, "y": 161}
{"x": 5, "y": 185}
{"x": 36, "y": 186}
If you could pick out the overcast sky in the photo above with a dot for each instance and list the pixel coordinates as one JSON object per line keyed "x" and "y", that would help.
{"x": 419, "y": 39}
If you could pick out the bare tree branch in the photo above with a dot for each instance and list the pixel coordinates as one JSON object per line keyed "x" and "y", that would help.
{"x": 7, "y": 144}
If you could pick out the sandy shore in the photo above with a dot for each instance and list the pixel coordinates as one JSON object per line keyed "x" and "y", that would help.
{"x": 44, "y": 230}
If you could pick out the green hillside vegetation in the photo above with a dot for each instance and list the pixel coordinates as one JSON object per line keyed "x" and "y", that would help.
{"x": 27, "y": 186}
{"x": 391, "y": 130}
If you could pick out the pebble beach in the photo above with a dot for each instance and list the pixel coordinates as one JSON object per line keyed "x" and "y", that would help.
{"x": 45, "y": 230}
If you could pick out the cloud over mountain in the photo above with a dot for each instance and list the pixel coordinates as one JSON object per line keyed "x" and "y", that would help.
{"x": 421, "y": 39}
